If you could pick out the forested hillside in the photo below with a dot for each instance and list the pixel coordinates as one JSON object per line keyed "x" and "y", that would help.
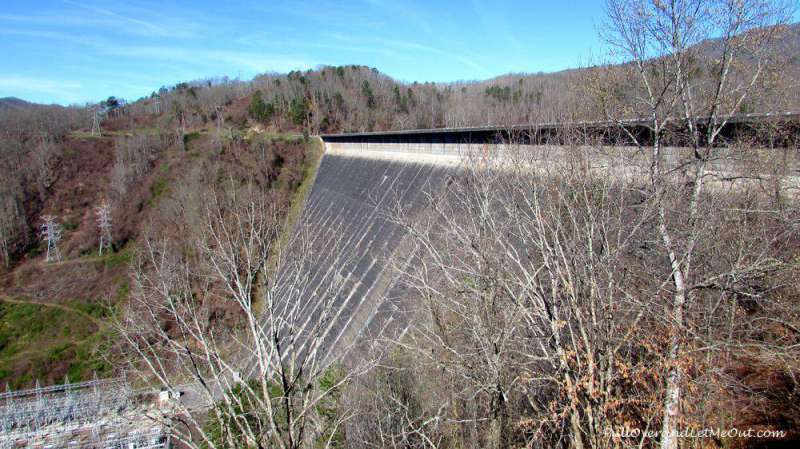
{"x": 140, "y": 176}
{"x": 357, "y": 98}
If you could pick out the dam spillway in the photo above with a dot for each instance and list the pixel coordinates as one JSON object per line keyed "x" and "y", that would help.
{"x": 354, "y": 194}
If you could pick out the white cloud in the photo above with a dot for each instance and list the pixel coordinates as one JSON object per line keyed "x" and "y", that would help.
{"x": 401, "y": 47}
{"x": 427, "y": 48}
{"x": 237, "y": 60}
{"x": 61, "y": 91}
{"x": 54, "y": 35}
{"x": 414, "y": 14}
{"x": 83, "y": 16}
{"x": 136, "y": 25}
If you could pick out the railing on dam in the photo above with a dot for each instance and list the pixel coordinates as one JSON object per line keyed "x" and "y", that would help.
{"x": 770, "y": 129}
{"x": 431, "y": 148}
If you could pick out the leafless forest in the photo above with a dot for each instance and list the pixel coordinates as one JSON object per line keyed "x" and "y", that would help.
{"x": 557, "y": 302}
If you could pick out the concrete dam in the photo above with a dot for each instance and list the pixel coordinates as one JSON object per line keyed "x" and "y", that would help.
{"x": 361, "y": 180}
{"x": 348, "y": 215}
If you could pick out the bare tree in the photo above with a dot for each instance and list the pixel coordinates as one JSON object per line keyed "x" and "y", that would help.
{"x": 661, "y": 42}
{"x": 12, "y": 218}
{"x": 6, "y": 233}
{"x": 134, "y": 157}
{"x": 522, "y": 283}
{"x": 44, "y": 158}
{"x": 403, "y": 403}
{"x": 241, "y": 320}
{"x": 546, "y": 298}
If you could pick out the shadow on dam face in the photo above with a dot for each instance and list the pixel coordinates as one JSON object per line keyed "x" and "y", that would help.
{"x": 351, "y": 203}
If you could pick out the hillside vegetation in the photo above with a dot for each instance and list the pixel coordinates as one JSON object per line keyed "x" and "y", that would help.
{"x": 556, "y": 307}
{"x": 55, "y": 316}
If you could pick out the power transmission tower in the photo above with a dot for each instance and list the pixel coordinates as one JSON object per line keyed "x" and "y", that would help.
{"x": 103, "y": 212}
{"x": 96, "y": 123}
{"x": 51, "y": 232}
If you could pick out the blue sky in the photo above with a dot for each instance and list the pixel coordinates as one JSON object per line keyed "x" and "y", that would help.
{"x": 69, "y": 51}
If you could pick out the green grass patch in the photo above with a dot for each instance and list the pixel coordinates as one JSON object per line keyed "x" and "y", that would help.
{"x": 37, "y": 341}
{"x": 90, "y": 357}
{"x": 87, "y": 135}
{"x": 36, "y": 250}
{"x": 81, "y": 134}
{"x": 272, "y": 136}
{"x": 115, "y": 259}
{"x": 327, "y": 409}
{"x": 159, "y": 187}
{"x": 93, "y": 309}
{"x": 313, "y": 157}
{"x": 311, "y": 163}
{"x": 122, "y": 293}
{"x": 189, "y": 137}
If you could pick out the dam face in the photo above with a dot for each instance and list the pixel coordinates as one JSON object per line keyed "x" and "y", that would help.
{"x": 347, "y": 214}
{"x": 357, "y": 246}
{"x": 359, "y": 187}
